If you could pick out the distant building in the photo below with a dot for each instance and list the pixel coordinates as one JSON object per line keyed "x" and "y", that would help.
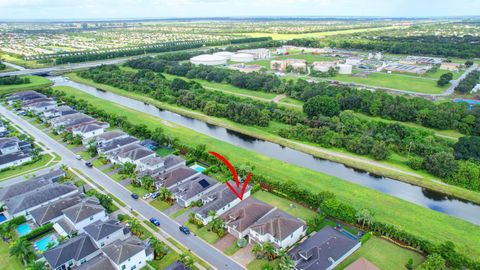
{"x": 362, "y": 264}
{"x": 245, "y": 68}
{"x": 450, "y": 66}
{"x": 354, "y": 61}
{"x": 345, "y": 69}
{"x": 208, "y": 60}
{"x": 260, "y": 53}
{"x": 411, "y": 69}
{"x": 242, "y": 57}
{"x": 298, "y": 65}
{"x": 193, "y": 189}
{"x": 421, "y": 60}
{"x": 323, "y": 66}
{"x": 88, "y": 131}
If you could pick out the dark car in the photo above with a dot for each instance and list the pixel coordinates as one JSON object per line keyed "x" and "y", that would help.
{"x": 184, "y": 229}
{"x": 155, "y": 221}
{"x": 89, "y": 164}
{"x": 135, "y": 196}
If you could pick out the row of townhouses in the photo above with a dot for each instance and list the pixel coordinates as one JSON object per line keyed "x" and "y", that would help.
{"x": 94, "y": 241}
{"x": 13, "y": 151}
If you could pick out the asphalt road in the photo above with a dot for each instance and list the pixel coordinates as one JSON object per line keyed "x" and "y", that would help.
{"x": 169, "y": 226}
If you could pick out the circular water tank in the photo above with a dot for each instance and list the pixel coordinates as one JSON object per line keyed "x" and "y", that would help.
{"x": 344, "y": 69}
{"x": 208, "y": 59}
{"x": 225, "y": 54}
{"x": 242, "y": 57}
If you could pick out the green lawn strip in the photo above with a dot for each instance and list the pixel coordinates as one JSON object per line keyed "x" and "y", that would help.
{"x": 179, "y": 212}
{"x": 288, "y": 206}
{"x": 137, "y": 190}
{"x": 412, "y": 218}
{"x": 171, "y": 257}
{"x": 384, "y": 255}
{"x": 203, "y": 232}
{"x": 395, "y": 81}
{"x": 292, "y": 101}
{"x": 160, "y": 205}
{"x": 21, "y": 62}
{"x": 118, "y": 177}
{"x": 184, "y": 250}
{"x": 22, "y": 169}
{"x": 258, "y": 264}
{"x": 153, "y": 227}
{"x": 7, "y": 261}
{"x": 164, "y": 151}
{"x": 268, "y": 134}
{"x": 117, "y": 200}
{"x": 36, "y": 82}
{"x": 84, "y": 155}
{"x": 97, "y": 163}
{"x": 230, "y": 250}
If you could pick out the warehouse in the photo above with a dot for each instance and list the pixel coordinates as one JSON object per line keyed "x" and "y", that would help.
{"x": 225, "y": 54}
{"x": 208, "y": 60}
{"x": 242, "y": 57}
{"x": 412, "y": 69}
{"x": 260, "y": 53}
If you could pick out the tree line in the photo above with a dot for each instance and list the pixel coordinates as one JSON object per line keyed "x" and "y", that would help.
{"x": 10, "y": 80}
{"x": 468, "y": 83}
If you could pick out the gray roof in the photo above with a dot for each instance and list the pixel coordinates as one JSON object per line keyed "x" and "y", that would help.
{"x": 101, "y": 229}
{"x": 136, "y": 153}
{"x": 176, "y": 265}
{"x": 194, "y": 186}
{"x": 172, "y": 160}
{"x": 87, "y": 128}
{"x": 8, "y": 142}
{"x": 120, "y": 251}
{"x": 37, "y": 100}
{"x": 152, "y": 161}
{"x": 54, "y": 209}
{"x": 66, "y": 225}
{"x": 169, "y": 179}
{"x": 117, "y": 143}
{"x": 218, "y": 198}
{"x": 100, "y": 262}
{"x": 40, "y": 104}
{"x": 109, "y": 135}
{"x": 314, "y": 253}
{"x": 38, "y": 196}
{"x": 25, "y": 95}
{"x": 5, "y": 159}
{"x": 76, "y": 248}
{"x": 82, "y": 211}
{"x": 247, "y": 212}
{"x": 277, "y": 223}
{"x": 28, "y": 185}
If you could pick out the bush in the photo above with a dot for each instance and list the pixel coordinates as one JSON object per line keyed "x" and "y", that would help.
{"x": 366, "y": 237}
{"x": 38, "y": 231}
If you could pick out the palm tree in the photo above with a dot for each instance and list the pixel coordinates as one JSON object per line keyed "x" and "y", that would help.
{"x": 286, "y": 262}
{"x": 159, "y": 248}
{"x": 21, "y": 249}
{"x": 218, "y": 226}
{"x": 40, "y": 265}
{"x": 269, "y": 251}
{"x": 186, "y": 259}
{"x": 257, "y": 249}
{"x": 165, "y": 194}
{"x": 365, "y": 217}
{"x": 135, "y": 226}
{"x": 212, "y": 214}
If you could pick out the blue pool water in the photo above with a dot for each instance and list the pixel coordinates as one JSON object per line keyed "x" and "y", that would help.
{"x": 2, "y": 218}
{"x": 471, "y": 102}
{"x": 23, "y": 229}
{"x": 198, "y": 168}
{"x": 42, "y": 244}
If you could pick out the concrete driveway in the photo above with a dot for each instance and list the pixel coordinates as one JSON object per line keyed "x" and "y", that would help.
{"x": 244, "y": 255}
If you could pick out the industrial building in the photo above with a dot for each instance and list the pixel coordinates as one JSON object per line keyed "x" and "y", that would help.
{"x": 344, "y": 69}
{"x": 354, "y": 61}
{"x": 296, "y": 64}
{"x": 242, "y": 57}
{"x": 411, "y": 69}
{"x": 208, "y": 60}
{"x": 260, "y": 53}
{"x": 225, "y": 54}
{"x": 420, "y": 60}
{"x": 323, "y": 66}
{"x": 245, "y": 68}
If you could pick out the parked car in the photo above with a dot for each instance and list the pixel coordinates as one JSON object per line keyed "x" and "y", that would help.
{"x": 135, "y": 196}
{"x": 155, "y": 195}
{"x": 185, "y": 230}
{"x": 89, "y": 164}
{"x": 147, "y": 195}
{"x": 155, "y": 221}
{"x": 78, "y": 157}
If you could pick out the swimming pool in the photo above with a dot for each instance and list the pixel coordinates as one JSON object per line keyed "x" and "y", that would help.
{"x": 23, "y": 229}
{"x": 42, "y": 244}
{"x": 2, "y": 218}
{"x": 198, "y": 168}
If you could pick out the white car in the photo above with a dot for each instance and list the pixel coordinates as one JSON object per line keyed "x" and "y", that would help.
{"x": 78, "y": 157}
{"x": 147, "y": 196}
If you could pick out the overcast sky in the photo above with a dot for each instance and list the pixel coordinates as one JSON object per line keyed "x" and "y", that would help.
{"x": 79, "y": 9}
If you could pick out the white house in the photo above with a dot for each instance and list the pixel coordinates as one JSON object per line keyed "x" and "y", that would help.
{"x": 131, "y": 253}
{"x": 77, "y": 217}
{"x": 73, "y": 252}
{"x": 88, "y": 131}
{"x": 106, "y": 232}
{"x": 193, "y": 189}
{"x": 278, "y": 228}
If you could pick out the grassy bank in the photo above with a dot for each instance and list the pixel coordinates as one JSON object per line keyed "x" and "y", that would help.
{"x": 393, "y": 168}
{"x": 36, "y": 82}
{"x": 7, "y": 261}
{"x": 417, "y": 220}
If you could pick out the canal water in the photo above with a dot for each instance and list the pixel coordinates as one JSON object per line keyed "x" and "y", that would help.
{"x": 427, "y": 198}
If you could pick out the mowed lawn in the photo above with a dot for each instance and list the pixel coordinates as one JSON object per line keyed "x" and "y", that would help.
{"x": 36, "y": 82}
{"x": 8, "y": 262}
{"x": 288, "y": 206}
{"x": 384, "y": 255}
{"x": 410, "y": 217}
{"x": 395, "y": 81}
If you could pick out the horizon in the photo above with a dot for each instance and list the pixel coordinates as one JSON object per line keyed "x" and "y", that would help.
{"x": 66, "y": 10}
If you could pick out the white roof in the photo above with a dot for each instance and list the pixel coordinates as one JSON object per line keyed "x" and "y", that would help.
{"x": 207, "y": 58}
{"x": 224, "y": 54}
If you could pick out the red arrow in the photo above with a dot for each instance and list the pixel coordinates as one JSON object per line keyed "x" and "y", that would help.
{"x": 235, "y": 176}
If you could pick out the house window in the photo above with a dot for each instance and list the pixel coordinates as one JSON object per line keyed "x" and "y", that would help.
{"x": 123, "y": 267}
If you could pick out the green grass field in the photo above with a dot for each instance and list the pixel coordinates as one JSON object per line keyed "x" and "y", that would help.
{"x": 395, "y": 81}
{"x": 384, "y": 255}
{"x": 23, "y": 169}
{"x": 290, "y": 207}
{"x": 412, "y": 218}
{"x": 8, "y": 262}
{"x": 20, "y": 62}
{"x": 36, "y": 82}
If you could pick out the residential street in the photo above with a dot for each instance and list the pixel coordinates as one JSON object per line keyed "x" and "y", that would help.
{"x": 169, "y": 226}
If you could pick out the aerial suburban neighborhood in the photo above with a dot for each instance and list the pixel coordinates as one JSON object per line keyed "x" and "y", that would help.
{"x": 230, "y": 135}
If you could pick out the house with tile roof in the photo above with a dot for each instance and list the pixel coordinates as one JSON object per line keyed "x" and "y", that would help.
{"x": 131, "y": 253}
{"x": 175, "y": 177}
{"x": 239, "y": 219}
{"x": 278, "y": 228}
{"x": 88, "y": 131}
{"x": 106, "y": 232}
{"x": 52, "y": 212}
{"x": 193, "y": 189}
{"x": 79, "y": 216}
{"x": 324, "y": 250}
{"x": 219, "y": 200}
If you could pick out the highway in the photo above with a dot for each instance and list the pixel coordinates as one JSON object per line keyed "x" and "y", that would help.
{"x": 207, "y": 252}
